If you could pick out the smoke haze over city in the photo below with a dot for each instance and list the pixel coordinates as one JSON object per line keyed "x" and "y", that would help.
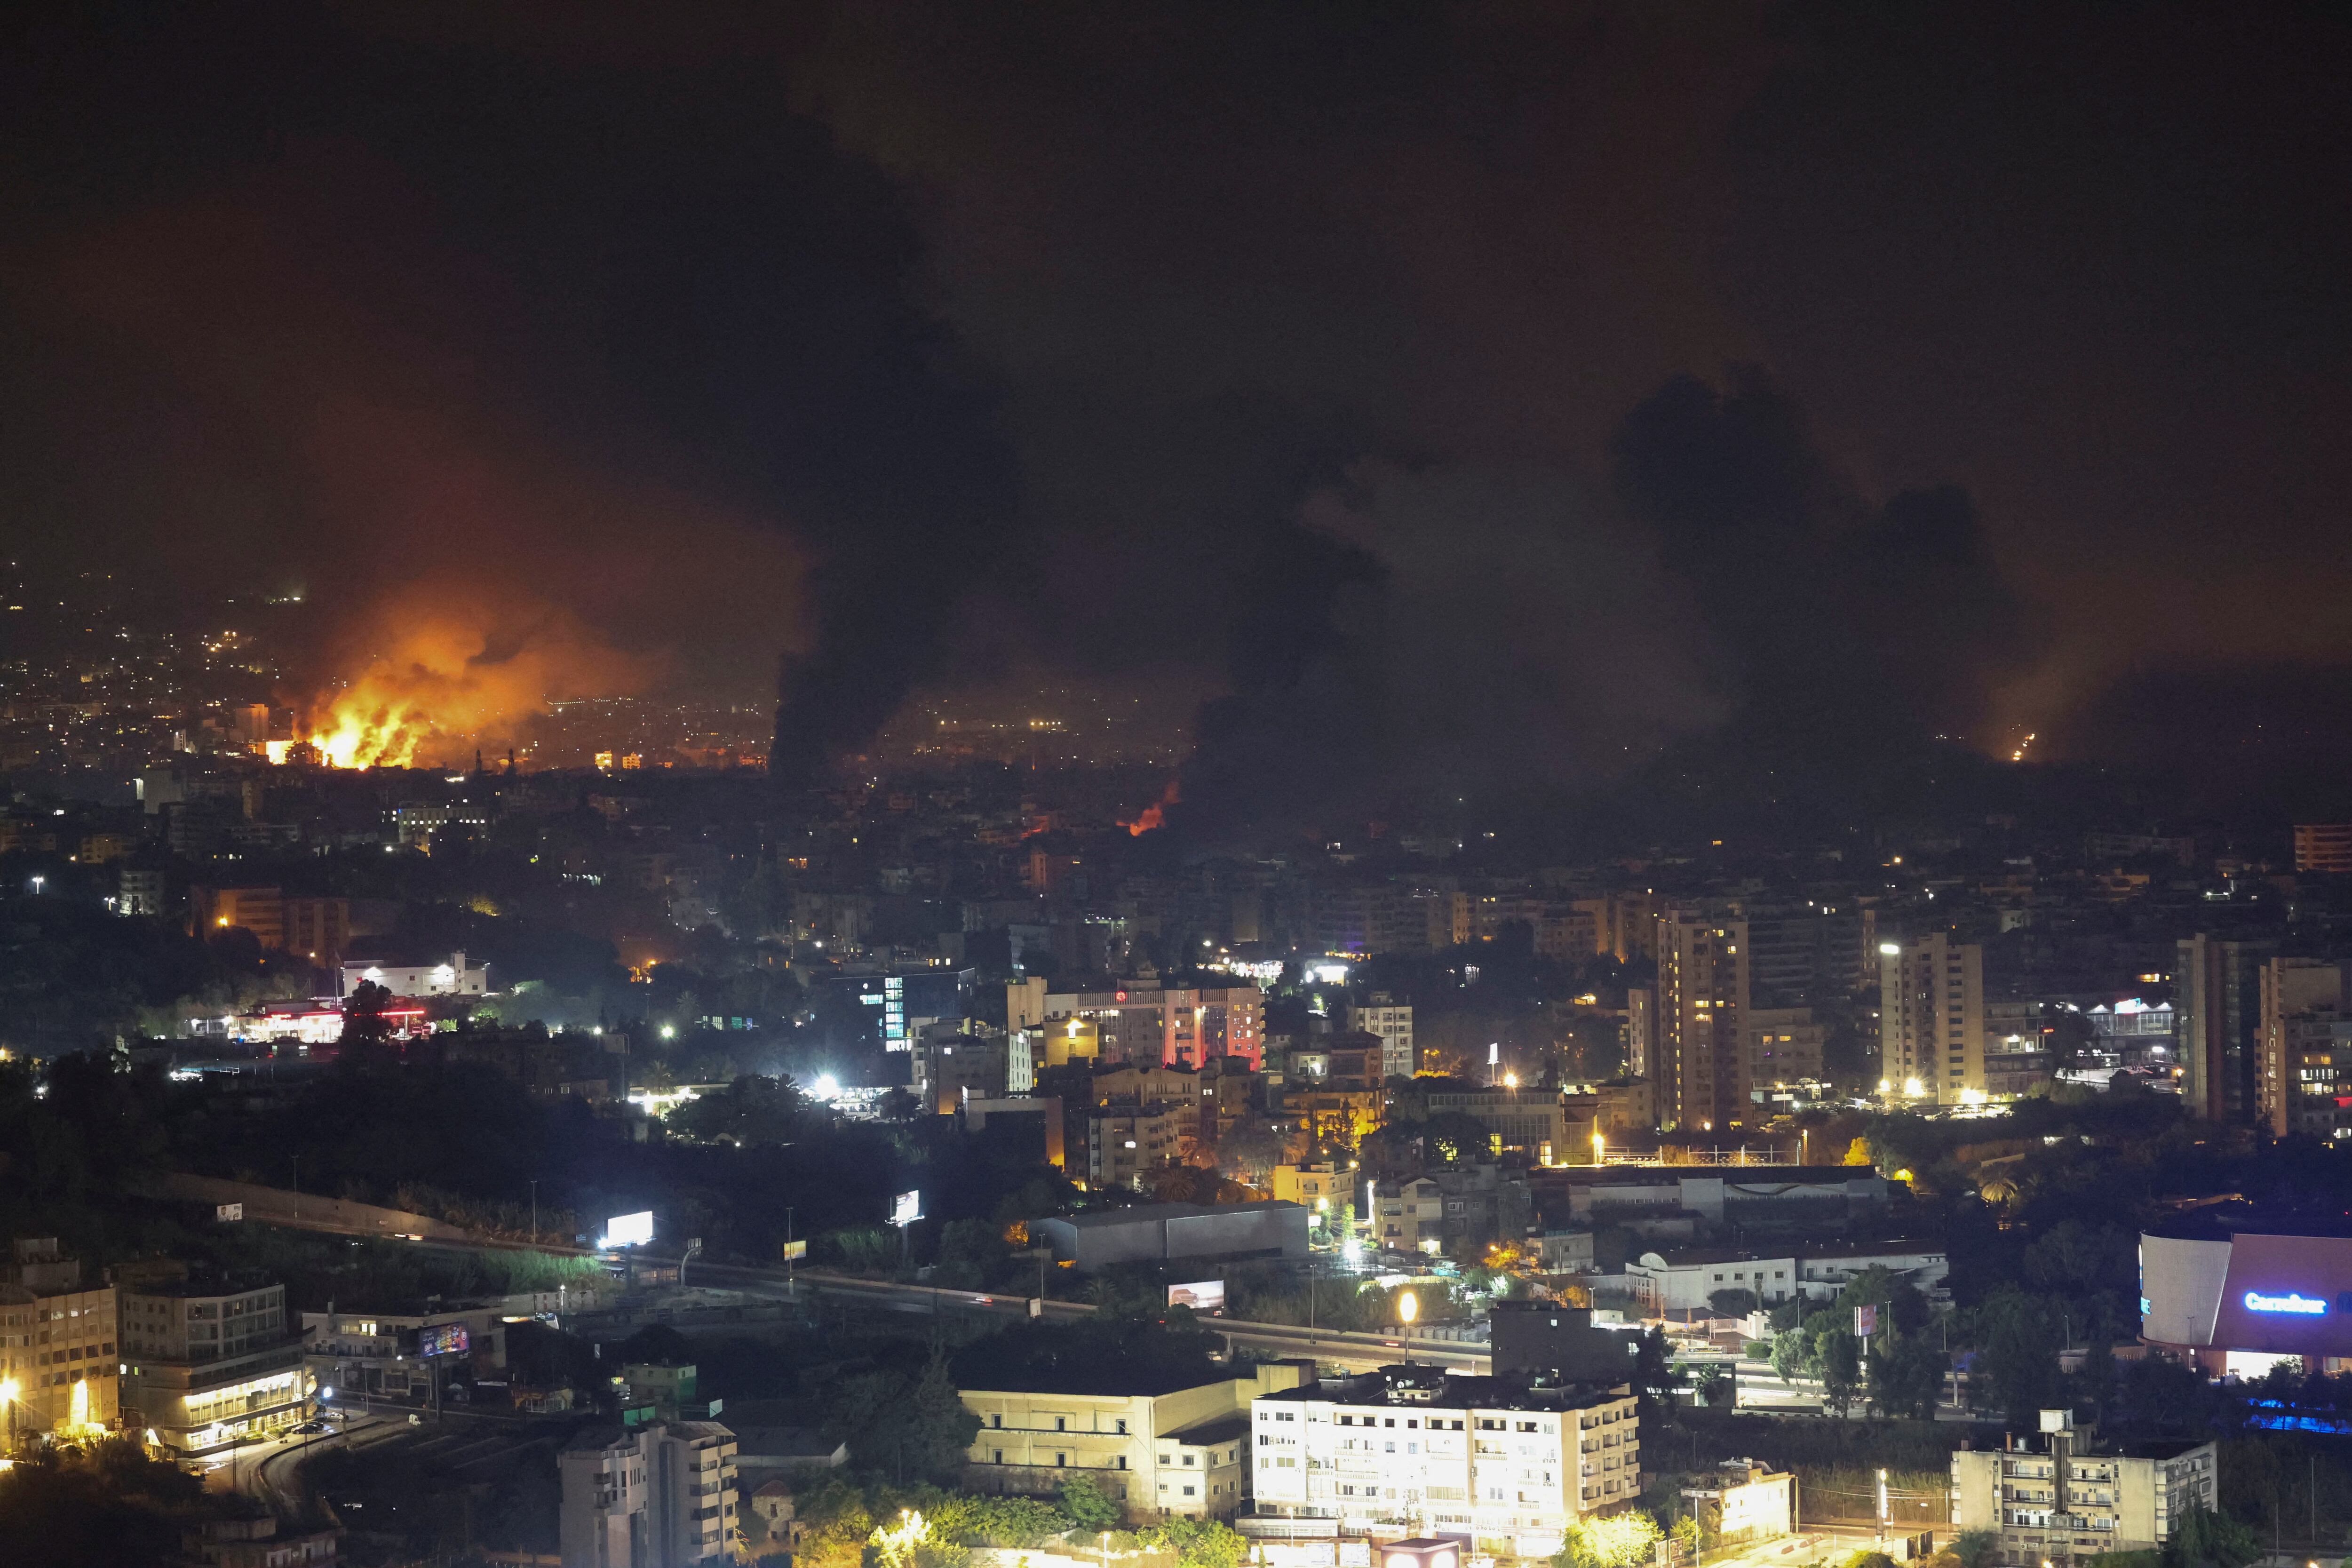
{"x": 1467, "y": 399}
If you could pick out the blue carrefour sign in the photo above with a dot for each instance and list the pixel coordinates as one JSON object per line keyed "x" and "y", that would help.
{"x": 2302, "y": 1306}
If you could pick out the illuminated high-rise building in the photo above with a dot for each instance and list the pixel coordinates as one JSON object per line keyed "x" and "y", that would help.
{"x": 1700, "y": 1060}
{"x": 2217, "y": 993}
{"x": 1931, "y": 1019}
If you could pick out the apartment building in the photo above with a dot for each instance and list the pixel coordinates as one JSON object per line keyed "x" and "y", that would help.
{"x": 2066, "y": 1501}
{"x": 1391, "y": 1022}
{"x": 1700, "y": 1059}
{"x": 2293, "y": 992}
{"x": 1125, "y": 1143}
{"x": 1164, "y": 1450}
{"x": 656, "y": 1496}
{"x": 2217, "y": 989}
{"x": 1784, "y": 1047}
{"x": 207, "y": 1368}
{"x": 1510, "y": 1462}
{"x": 1460, "y": 1209}
{"x": 1142, "y": 1021}
{"x": 1327, "y": 1188}
{"x": 1931, "y": 1019}
{"x": 57, "y": 1342}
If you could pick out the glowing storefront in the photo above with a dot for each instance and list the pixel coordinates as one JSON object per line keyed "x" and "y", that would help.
{"x": 2234, "y": 1294}
{"x": 207, "y": 1371}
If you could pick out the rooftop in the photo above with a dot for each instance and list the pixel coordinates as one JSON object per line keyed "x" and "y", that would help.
{"x": 1417, "y": 1388}
{"x": 1223, "y": 1430}
{"x": 1146, "y": 1213}
{"x": 1738, "y": 1175}
{"x": 2222, "y": 1221}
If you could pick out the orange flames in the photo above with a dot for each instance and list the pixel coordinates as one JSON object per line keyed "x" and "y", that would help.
{"x": 1156, "y": 814}
{"x": 456, "y": 676}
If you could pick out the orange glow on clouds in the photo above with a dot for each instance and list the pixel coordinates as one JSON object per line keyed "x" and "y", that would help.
{"x": 449, "y": 675}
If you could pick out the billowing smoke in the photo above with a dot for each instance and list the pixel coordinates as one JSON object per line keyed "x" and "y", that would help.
{"x": 1473, "y": 627}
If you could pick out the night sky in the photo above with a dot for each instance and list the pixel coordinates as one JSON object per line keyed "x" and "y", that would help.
{"x": 1458, "y": 398}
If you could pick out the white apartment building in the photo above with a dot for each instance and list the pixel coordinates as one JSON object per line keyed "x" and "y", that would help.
{"x": 1392, "y": 1021}
{"x": 656, "y": 1496}
{"x": 1683, "y": 1281}
{"x": 1510, "y": 1462}
{"x": 2063, "y": 1502}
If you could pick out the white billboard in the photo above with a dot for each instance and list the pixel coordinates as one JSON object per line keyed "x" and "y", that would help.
{"x": 906, "y": 1208}
{"x": 1201, "y": 1295}
{"x": 629, "y": 1230}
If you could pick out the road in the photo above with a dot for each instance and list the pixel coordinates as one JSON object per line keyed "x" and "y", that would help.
{"x": 267, "y": 1472}
{"x": 1354, "y": 1352}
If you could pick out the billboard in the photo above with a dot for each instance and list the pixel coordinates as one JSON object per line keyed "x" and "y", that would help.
{"x": 1865, "y": 1320}
{"x": 1200, "y": 1295}
{"x": 228, "y": 1211}
{"x": 629, "y": 1229}
{"x": 443, "y": 1339}
{"x": 906, "y": 1208}
{"x": 796, "y": 1249}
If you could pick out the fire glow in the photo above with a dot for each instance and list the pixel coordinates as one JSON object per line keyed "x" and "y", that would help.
{"x": 1156, "y": 814}
{"x": 453, "y": 681}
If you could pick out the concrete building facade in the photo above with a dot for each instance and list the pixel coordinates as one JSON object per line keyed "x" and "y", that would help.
{"x": 1931, "y": 1019}
{"x": 1165, "y": 1454}
{"x": 2217, "y": 996}
{"x": 2065, "y": 1500}
{"x": 1701, "y": 1067}
{"x": 656, "y": 1496}
{"x": 1508, "y": 1461}
{"x": 56, "y": 1344}
{"x": 207, "y": 1369}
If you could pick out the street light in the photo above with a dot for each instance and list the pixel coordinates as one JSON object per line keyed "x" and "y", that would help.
{"x": 1600, "y": 1146}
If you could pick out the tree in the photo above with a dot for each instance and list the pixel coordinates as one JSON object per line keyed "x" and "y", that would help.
{"x": 1837, "y": 1357}
{"x": 1906, "y": 1371}
{"x": 2097, "y": 1383}
{"x": 1453, "y": 1138}
{"x": 751, "y": 1111}
{"x": 1792, "y": 1352}
{"x": 2016, "y": 1352}
{"x": 2206, "y": 1537}
{"x": 1199, "y": 1542}
{"x": 1733, "y": 1303}
{"x": 1614, "y": 1541}
{"x": 364, "y": 1024}
{"x": 1654, "y": 1372}
{"x": 1976, "y": 1548}
{"x": 940, "y": 1429}
{"x": 1086, "y": 1505}
{"x": 105, "y": 1505}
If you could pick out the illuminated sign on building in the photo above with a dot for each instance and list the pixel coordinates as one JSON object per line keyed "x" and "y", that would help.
{"x": 2302, "y": 1306}
{"x": 443, "y": 1339}
{"x": 906, "y": 1208}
